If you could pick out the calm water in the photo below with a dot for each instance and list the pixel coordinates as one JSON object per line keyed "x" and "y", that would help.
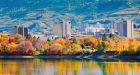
{"x": 67, "y": 67}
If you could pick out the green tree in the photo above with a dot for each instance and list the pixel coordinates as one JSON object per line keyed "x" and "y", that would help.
{"x": 112, "y": 36}
{"x": 29, "y": 36}
{"x": 104, "y": 38}
{"x": 75, "y": 40}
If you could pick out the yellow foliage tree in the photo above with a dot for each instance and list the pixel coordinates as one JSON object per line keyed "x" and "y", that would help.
{"x": 12, "y": 47}
{"x": 4, "y": 39}
{"x": 119, "y": 46}
{"x": 133, "y": 46}
{"x": 93, "y": 42}
{"x": 18, "y": 37}
{"x": 4, "y": 35}
{"x": 111, "y": 45}
{"x": 76, "y": 48}
{"x": 106, "y": 46}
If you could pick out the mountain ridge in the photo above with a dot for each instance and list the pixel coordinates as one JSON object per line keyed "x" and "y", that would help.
{"x": 28, "y": 12}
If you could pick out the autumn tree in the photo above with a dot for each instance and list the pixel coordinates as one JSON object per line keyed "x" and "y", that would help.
{"x": 55, "y": 48}
{"x": 75, "y": 40}
{"x": 18, "y": 38}
{"x": 67, "y": 47}
{"x": 133, "y": 46}
{"x": 76, "y": 48}
{"x": 4, "y": 35}
{"x": 25, "y": 47}
{"x": 90, "y": 41}
{"x": 4, "y": 47}
{"x": 60, "y": 41}
{"x": 11, "y": 39}
{"x": 12, "y": 47}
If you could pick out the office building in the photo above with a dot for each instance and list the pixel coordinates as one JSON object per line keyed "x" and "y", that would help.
{"x": 20, "y": 30}
{"x": 57, "y": 29}
{"x": 62, "y": 29}
{"x": 125, "y": 28}
{"x": 68, "y": 29}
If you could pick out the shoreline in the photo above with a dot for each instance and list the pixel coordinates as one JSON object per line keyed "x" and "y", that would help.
{"x": 96, "y": 57}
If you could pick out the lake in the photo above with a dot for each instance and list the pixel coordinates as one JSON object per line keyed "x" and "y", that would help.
{"x": 66, "y": 67}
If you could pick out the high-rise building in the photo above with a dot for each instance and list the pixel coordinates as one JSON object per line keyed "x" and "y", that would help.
{"x": 68, "y": 29}
{"x": 57, "y": 29}
{"x": 62, "y": 29}
{"x": 125, "y": 28}
{"x": 20, "y": 30}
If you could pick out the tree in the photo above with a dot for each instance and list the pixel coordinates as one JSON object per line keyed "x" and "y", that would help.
{"x": 75, "y": 40}
{"x": 60, "y": 41}
{"x": 90, "y": 41}
{"x": 76, "y": 48}
{"x": 4, "y": 39}
{"x": 18, "y": 37}
{"x": 48, "y": 40}
{"x": 11, "y": 40}
{"x": 46, "y": 45}
{"x": 101, "y": 46}
{"x": 25, "y": 47}
{"x": 67, "y": 47}
{"x": 4, "y": 47}
{"x": 104, "y": 38}
{"x": 133, "y": 46}
{"x": 112, "y": 44}
{"x": 12, "y": 47}
{"x": 105, "y": 45}
{"x": 29, "y": 36}
{"x": 112, "y": 36}
{"x": 40, "y": 47}
{"x": 55, "y": 48}
{"x": 4, "y": 35}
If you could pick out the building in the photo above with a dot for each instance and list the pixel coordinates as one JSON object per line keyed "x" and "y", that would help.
{"x": 68, "y": 29}
{"x": 94, "y": 30}
{"x": 20, "y": 30}
{"x": 125, "y": 28}
{"x": 112, "y": 28}
{"x": 58, "y": 29}
{"x": 62, "y": 29}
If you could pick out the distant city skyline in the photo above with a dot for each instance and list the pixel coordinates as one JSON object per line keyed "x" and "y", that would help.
{"x": 45, "y": 16}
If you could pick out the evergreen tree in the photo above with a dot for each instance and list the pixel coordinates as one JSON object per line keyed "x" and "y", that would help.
{"x": 104, "y": 38}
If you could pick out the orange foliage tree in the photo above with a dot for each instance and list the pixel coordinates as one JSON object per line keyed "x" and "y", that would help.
{"x": 91, "y": 41}
{"x": 12, "y": 47}
{"x": 60, "y": 41}
{"x": 18, "y": 38}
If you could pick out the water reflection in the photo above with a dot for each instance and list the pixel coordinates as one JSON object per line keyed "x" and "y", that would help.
{"x": 67, "y": 67}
